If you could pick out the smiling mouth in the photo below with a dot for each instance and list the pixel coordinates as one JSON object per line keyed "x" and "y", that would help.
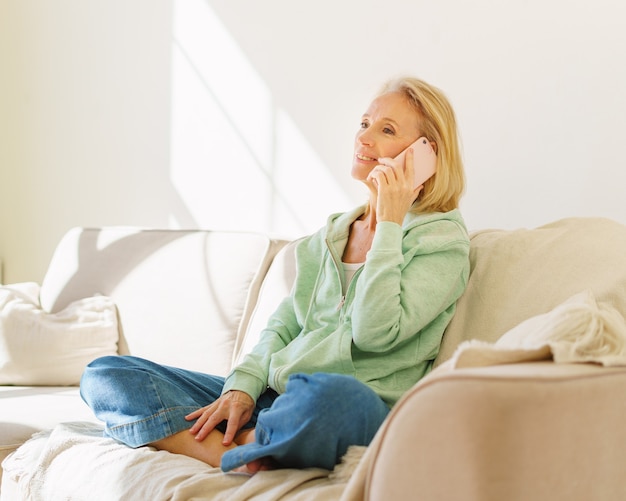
{"x": 365, "y": 158}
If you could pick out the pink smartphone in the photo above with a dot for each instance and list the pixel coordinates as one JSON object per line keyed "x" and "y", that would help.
{"x": 424, "y": 160}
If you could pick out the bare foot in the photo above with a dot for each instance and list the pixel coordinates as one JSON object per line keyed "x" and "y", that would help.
{"x": 261, "y": 464}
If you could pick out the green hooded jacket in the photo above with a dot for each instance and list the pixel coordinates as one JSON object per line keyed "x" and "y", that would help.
{"x": 387, "y": 329}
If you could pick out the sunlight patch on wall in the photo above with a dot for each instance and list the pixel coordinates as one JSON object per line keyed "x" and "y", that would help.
{"x": 238, "y": 162}
{"x": 302, "y": 178}
{"x": 218, "y": 178}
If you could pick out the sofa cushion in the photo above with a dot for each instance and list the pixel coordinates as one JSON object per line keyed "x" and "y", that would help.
{"x": 518, "y": 274}
{"x": 182, "y": 295}
{"x": 276, "y": 286}
{"x": 40, "y": 348}
{"x": 27, "y": 410}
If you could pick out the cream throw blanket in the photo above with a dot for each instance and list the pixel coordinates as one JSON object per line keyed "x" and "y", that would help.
{"x": 74, "y": 461}
{"x": 578, "y": 330}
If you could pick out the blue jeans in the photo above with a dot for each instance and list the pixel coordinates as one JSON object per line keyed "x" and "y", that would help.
{"x": 312, "y": 424}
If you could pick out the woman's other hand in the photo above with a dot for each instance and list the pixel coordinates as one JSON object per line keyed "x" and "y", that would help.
{"x": 236, "y": 407}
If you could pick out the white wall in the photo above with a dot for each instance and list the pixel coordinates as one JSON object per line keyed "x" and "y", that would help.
{"x": 124, "y": 112}
{"x": 84, "y": 122}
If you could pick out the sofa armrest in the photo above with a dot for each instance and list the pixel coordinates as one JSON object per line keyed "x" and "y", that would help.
{"x": 539, "y": 431}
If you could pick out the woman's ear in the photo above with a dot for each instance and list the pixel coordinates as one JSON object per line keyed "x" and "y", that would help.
{"x": 434, "y": 146}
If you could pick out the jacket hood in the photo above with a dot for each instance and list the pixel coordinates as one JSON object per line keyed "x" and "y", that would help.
{"x": 338, "y": 224}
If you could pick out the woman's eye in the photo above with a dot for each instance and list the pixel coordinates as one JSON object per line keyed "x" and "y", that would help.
{"x": 388, "y": 130}
{"x": 364, "y": 125}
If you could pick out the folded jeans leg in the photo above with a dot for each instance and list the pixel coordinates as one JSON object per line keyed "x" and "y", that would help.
{"x": 141, "y": 401}
{"x": 313, "y": 423}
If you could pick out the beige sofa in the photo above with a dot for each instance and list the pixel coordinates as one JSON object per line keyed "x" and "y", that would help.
{"x": 532, "y": 428}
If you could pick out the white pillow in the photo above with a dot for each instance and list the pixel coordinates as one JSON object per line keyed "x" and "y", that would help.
{"x": 40, "y": 348}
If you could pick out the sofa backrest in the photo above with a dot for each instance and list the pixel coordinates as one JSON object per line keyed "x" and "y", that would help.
{"x": 199, "y": 299}
{"x": 183, "y": 296}
{"x": 518, "y": 274}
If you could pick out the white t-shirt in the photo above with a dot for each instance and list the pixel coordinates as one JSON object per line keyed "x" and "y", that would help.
{"x": 349, "y": 269}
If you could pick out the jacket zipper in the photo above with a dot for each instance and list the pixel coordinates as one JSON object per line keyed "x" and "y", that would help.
{"x": 342, "y": 301}
{"x": 342, "y": 298}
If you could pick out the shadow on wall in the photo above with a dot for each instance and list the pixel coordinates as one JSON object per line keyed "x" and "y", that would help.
{"x": 238, "y": 161}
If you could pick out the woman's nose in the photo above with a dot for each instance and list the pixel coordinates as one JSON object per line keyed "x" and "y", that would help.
{"x": 365, "y": 138}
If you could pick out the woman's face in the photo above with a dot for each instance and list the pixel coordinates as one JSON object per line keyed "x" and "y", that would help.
{"x": 388, "y": 126}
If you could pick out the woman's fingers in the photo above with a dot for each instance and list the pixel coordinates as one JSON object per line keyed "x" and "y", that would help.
{"x": 241, "y": 408}
{"x": 234, "y": 424}
{"x": 381, "y": 174}
{"x": 389, "y": 171}
{"x": 209, "y": 420}
{"x": 234, "y": 407}
{"x": 409, "y": 171}
{"x": 195, "y": 414}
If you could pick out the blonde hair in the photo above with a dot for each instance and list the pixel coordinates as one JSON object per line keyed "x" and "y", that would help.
{"x": 443, "y": 191}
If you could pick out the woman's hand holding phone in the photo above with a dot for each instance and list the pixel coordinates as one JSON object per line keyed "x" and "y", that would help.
{"x": 399, "y": 180}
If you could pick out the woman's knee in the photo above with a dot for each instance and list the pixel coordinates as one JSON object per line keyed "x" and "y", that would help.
{"x": 334, "y": 394}
{"x": 324, "y": 387}
{"x": 113, "y": 362}
{"x": 318, "y": 417}
{"x": 104, "y": 376}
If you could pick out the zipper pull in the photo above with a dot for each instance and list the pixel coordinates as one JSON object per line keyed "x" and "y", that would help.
{"x": 341, "y": 302}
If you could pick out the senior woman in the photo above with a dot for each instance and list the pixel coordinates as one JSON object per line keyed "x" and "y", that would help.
{"x": 374, "y": 291}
